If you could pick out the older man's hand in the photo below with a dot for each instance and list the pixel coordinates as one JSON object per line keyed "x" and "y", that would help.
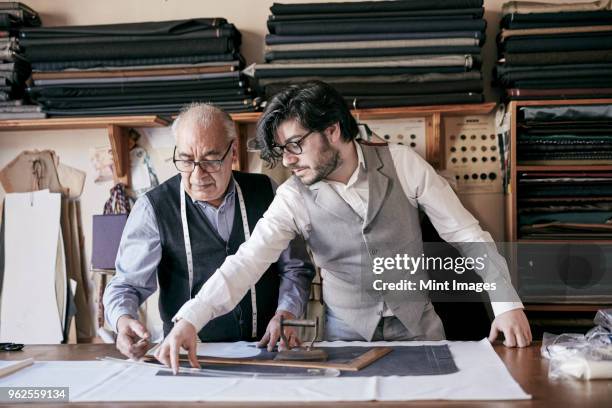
{"x": 132, "y": 337}
{"x": 184, "y": 335}
{"x": 515, "y": 326}
{"x": 273, "y": 333}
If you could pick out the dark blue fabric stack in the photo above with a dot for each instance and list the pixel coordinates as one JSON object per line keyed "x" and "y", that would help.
{"x": 564, "y": 204}
{"x": 14, "y": 68}
{"x": 136, "y": 68}
{"x": 378, "y": 53}
{"x": 555, "y": 51}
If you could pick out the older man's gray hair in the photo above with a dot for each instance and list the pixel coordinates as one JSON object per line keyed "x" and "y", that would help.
{"x": 204, "y": 115}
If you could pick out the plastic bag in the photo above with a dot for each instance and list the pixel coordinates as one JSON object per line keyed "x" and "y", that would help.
{"x": 586, "y": 357}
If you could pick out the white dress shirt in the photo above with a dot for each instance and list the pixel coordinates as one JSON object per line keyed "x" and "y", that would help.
{"x": 287, "y": 217}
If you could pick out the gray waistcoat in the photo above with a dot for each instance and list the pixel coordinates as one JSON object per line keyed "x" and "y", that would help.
{"x": 344, "y": 245}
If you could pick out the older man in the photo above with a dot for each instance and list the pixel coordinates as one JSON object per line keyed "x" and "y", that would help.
{"x": 181, "y": 232}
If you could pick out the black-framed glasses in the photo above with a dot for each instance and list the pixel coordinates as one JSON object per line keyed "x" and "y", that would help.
{"x": 209, "y": 166}
{"x": 292, "y": 147}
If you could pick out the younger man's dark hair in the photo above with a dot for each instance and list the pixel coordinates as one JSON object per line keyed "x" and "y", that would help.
{"x": 315, "y": 105}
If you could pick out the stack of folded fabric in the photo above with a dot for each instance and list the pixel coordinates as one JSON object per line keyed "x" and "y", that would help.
{"x": 378, "y": 53}
{"x": 555, "y": 51}
{"x": 564, "y": 135}
{"x": 14, "y": 68}
{"x": 565, "y": 205}
{"x": 136, "y": 68}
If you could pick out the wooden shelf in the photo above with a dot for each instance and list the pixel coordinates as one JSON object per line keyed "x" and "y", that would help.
{"x": 394, "y": 113}
{"x": 118, "y": 126}
{"x": 83, "y": 122}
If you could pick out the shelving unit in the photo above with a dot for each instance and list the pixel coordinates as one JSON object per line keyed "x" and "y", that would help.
{"x": 512, "y": 204}
{"x": 119, "y": 126}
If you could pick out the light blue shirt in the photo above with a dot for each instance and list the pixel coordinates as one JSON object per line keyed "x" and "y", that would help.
{"x": 140, "y": 252}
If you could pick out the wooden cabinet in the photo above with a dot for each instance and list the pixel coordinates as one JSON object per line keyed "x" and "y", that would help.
{"x": 520, "y": 168}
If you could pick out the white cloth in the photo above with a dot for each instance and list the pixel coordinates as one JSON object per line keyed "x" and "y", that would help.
{"x": 287, "y": 217}
{"x": 481, "y": 376}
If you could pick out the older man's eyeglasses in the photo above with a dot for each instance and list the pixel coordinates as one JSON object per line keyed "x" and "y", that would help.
{"x": 209, "y": 166}
{"x": 292, "y": 147}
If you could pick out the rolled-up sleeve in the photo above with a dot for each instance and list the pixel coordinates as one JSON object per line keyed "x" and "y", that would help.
{"x": 136, "y": 264}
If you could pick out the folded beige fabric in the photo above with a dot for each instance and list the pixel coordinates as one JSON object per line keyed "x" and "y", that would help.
{"x": 505, "y": 34}
{"x": 526, "y": 7}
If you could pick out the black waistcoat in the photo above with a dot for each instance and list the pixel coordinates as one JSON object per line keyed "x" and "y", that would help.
{"x": 209, "y": 251}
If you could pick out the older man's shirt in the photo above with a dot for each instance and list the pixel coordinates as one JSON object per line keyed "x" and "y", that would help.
{"x": 140, "y": 253}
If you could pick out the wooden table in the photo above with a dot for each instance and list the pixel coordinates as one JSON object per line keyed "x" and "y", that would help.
{"x": 525, "y": 365}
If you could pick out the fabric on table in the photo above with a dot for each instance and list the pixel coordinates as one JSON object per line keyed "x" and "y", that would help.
{"x": 475, "y": 12}
{"x": 414, "y": 100}
{"x": 542, "y": 7}
{"x": 555, "y": 58}
{"x": 283, "y": 72}
{"x": 272, "y": 39}
{"x": 376, "y": 79}
{"x": 144, "y": 28}
{"x": 364, "y": 88}
{"x": 535, "y": 20}
{"x": 372, "y": 6}
{"x": 96, "y": 63}
{"x": 415, "y": 360}
{"x": 583, "y": 43}
{"x": 372, "y": 52}
{"x": 139, "y": 49}
{"x": 505, "y": 33}
{"x": 420, "y": 43}
{"x": 368, "y": 26}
